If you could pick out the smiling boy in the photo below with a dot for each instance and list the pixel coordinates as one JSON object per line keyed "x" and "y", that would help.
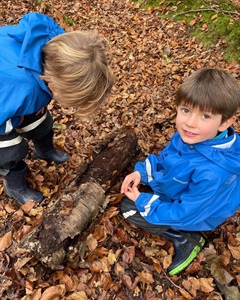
{"x": 195, "y": 180}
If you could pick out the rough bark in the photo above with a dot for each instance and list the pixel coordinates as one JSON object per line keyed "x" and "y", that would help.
{"x": 110, "y": 158}
{"x": 71, "y": 213}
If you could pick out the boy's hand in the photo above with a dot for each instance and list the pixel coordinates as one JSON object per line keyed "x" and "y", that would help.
{"x": 132, "y": 193}
{"x": 41, "y": 111}
{"x": 131, "y": 181}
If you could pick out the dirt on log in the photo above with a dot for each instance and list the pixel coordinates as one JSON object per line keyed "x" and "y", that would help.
{"x": 70, "y": 214}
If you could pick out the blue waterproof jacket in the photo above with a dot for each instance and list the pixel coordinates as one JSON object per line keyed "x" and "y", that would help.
{"x": 21, "y": 90}
{"x": 195, "y": 187}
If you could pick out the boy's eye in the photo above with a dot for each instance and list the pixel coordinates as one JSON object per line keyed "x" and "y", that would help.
{"x": 185, "y": 110}
{"x": 206, "y": 116}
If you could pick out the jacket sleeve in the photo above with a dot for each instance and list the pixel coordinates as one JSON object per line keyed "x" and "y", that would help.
{"x": 151, "y": 165}
{"x": 199, "y": 202}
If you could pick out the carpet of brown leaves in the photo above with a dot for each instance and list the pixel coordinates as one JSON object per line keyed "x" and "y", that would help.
{"x": 113, "y": 259}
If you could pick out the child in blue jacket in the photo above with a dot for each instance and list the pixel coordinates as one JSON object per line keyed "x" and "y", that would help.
{"x": 39, "y": 62}
{"x": 195, "y": 180}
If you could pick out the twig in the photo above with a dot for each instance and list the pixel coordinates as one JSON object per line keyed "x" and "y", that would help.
{"x": 174, "y": 284}
{"x": 199, "y": 10}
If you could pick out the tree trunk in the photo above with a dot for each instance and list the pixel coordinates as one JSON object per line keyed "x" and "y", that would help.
{"x": 72, "y": 211}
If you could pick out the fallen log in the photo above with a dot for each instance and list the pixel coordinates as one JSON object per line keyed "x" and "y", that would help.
{"x": 70, "y": 214}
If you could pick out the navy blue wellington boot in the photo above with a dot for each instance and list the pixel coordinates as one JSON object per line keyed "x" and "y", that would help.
{"x": 187, "y": 245}
{"x": 44, "y": 149}
{"x": 15, "y": 186}
{"x": 53, "y": 155}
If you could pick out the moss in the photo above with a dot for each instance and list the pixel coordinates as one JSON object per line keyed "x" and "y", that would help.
{"x": 68, "y": 20}
{"x": 215, "y": 21}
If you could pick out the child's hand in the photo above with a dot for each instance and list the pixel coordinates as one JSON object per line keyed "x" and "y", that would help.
{"x": 41, "y": 111}
{"x": 132, "y": 193}
{"x": 132, "y": 180}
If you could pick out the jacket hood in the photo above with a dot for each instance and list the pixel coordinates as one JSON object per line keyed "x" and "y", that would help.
{"x": 33, "y": 32}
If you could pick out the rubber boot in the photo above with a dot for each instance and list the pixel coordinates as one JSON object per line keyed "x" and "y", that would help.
{"x": 186, "y": 244}
{"x": 54, "y": 155}
{"x": 15, "y": 186}
{"x": 45, "y": 150}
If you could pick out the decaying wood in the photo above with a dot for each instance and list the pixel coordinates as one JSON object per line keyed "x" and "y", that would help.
{"x": 71, "y": 213}
{"x": 66, "y": 219}
{"x": 107, "y": 165}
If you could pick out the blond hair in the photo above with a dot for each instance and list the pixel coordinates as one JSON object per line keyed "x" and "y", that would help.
{"x": 76, "y": 66}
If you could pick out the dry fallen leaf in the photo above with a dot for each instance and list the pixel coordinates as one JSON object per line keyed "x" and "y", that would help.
{"x": 149, "y": 63}
{"x": 235, "y": 251}
{"x": 220, "y": 274}
{"x": 81, "y": 295}
{"x": 145, "y": 277}
{"x": 54, "y": 292}
{"x": 5, "y": 241}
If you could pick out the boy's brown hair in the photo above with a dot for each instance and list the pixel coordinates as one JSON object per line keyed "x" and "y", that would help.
{"x": 211, "y": 90}
{"x": 76, "y": 66}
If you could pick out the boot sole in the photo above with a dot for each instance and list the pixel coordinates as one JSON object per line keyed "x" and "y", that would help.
{"x": 10, "y": 196}
{"x": 190, "y": 258}
{"x": 6, "y": 191}
{"x": 48, "y": 160}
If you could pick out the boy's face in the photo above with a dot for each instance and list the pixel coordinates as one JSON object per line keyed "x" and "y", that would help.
{"x": 195, "y": 126}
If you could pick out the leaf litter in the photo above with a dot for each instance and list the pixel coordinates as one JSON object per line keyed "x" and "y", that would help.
{"x": 112, "y": 259}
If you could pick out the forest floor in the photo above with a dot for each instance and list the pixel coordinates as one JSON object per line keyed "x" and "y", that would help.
{"x": 150, "y": 58}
